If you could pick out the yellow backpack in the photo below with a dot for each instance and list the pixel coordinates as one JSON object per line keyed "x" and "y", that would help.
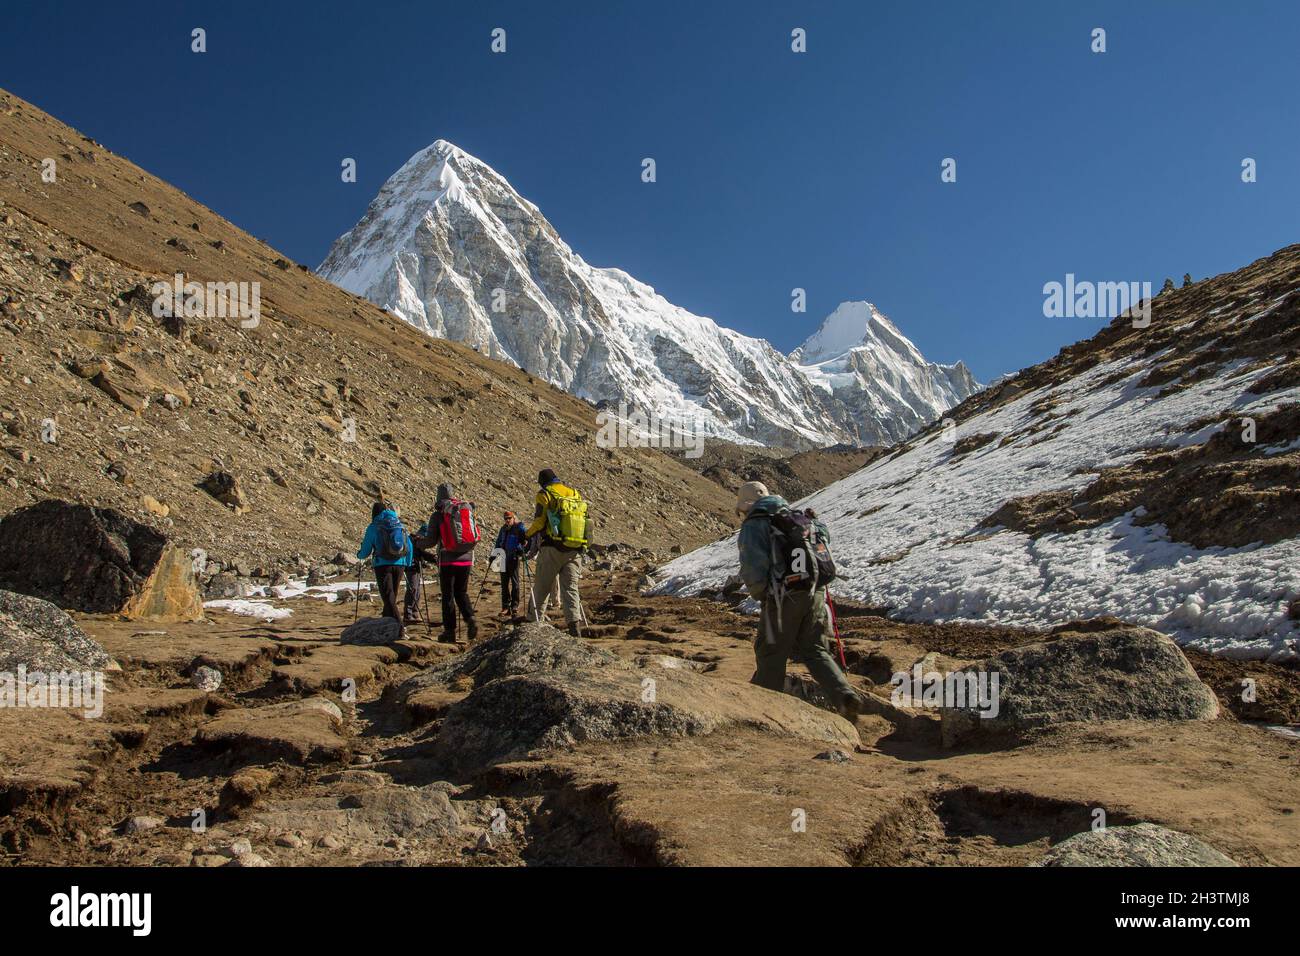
{"x": 566, "y": 517}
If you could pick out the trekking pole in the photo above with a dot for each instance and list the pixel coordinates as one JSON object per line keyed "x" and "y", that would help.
{"x": 481, "y": 587}
{"x": 356, "y": 596}
{"x": 424, "y": 593}
{"x": 535, "y": 609}
{"x": 835, "y": 626}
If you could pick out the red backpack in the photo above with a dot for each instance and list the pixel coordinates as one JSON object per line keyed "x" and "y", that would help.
{"x": 457, "y": 529}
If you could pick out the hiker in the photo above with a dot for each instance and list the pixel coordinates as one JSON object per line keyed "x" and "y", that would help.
{"x": 513, "y": 540}
{"x": 784, "y": 563}
{"x": 560, "y": 519}
{"x": 421, "y": 541}
{"x": 457, "y": 533}
{"x": 387, "y": 541}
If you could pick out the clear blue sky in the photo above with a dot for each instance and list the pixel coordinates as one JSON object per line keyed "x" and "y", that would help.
{"x": 775, "y": 169}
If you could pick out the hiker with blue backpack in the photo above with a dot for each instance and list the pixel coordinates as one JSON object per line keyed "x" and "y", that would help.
{"x": 511, "y": 542}
{"x": 387, "y": 542}
{"x": 457, "y": 532}
{"x": 786, "y": 565}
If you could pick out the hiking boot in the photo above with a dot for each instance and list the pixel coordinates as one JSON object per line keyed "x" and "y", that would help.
{"x": 447, "y": 637}
{"x": 505, "y": 614}
{"x": 851, "y": 707}
{"x": 471, "y": 631}
{"x": 575, "y": 629}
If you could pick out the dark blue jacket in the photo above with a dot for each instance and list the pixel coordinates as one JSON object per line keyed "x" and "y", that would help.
{"x": 511, "y": 538}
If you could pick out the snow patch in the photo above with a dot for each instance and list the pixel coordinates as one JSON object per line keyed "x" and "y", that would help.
{"x": 904, "y": 534}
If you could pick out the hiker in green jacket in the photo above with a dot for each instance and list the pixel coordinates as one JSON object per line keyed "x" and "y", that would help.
{"x": 793, "y": 618}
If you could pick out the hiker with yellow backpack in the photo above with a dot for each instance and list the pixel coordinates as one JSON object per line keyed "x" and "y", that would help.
{"x": 560, "y": 519}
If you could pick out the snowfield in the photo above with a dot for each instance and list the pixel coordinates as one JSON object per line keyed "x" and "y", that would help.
{"x": 905, "y": 537}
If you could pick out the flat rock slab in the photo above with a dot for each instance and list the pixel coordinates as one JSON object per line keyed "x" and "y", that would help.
{"x": 1120, "y": 673}
{"x": 328, "y": 666}
{"x": 1143, "y": 844}
{"x": 41, "y": 637}
{"x": 536, "y": 688}
{"x": 367, "y": 812}
{"x": 306, "y": 731}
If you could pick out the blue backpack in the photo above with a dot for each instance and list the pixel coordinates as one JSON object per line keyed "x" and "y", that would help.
{"x": 391, "y": 542}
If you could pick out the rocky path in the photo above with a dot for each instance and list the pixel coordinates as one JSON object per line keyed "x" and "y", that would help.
{"x": 642, "y": 744}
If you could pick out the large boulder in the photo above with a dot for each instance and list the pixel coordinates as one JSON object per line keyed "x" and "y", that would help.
{"x": 1117, "y": 673}
{"x": 41, "y": 637}
{"x": 536, "y": 688}
{"x": 96, "y": 560}
{"x": 1143, "y": 844}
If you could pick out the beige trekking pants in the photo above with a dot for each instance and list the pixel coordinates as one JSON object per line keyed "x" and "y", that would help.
{"x": 556, "y": 564}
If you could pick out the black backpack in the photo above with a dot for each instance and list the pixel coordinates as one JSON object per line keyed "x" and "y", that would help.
{"x": 801, "y": 555}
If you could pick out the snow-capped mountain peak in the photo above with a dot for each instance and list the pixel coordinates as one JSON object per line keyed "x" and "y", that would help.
{"x": 865, "y": 363}
{"x": 849, "y": 326}
{"x": 451, "y": 247}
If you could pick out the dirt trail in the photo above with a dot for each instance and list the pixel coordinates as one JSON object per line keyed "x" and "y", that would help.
{"x": 305, "y": 789}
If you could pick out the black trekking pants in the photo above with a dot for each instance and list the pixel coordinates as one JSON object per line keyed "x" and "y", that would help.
{"x": 389, "y": 579}
{"x": 454, "y": 582}
{"x": 414, "y": 582}
{"x": 510, "y": 586}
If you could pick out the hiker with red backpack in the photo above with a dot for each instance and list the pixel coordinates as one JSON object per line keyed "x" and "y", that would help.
{"x": 387, "y": 541}
{"x": 785, "y": 564}
{"x": 560, "y": 521}
{"x": 457, "y": 535}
